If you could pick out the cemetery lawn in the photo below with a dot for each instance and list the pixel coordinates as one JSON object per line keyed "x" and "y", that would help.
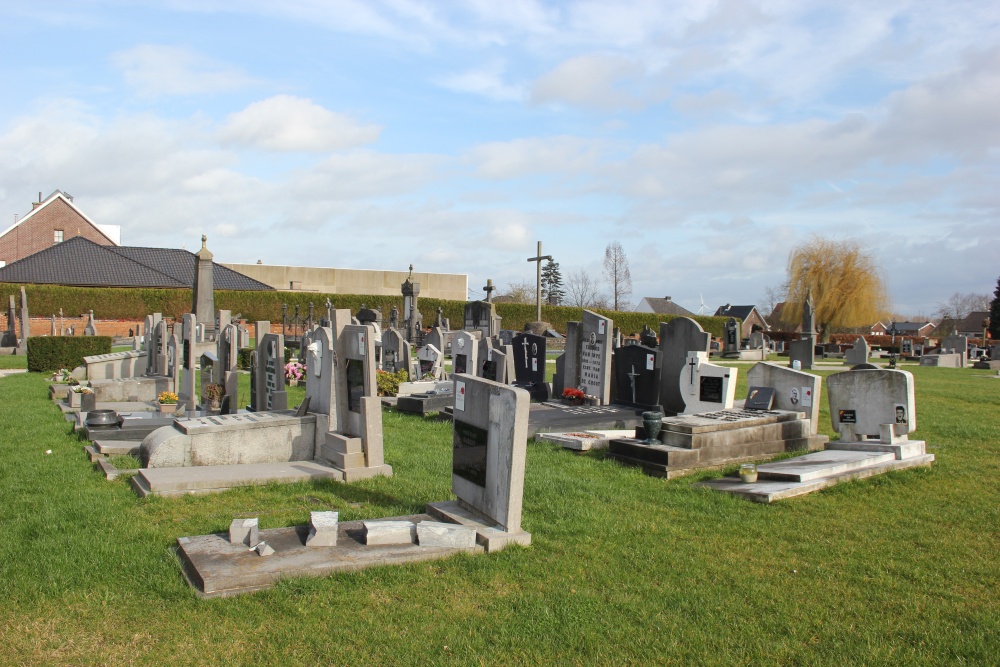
{"x": 623, "y": 569}
{"x": 11, "y": 361}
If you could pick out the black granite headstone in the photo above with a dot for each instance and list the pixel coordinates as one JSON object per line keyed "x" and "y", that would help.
{"x": 529, "y": 359}
{"x": 637, "y": 375}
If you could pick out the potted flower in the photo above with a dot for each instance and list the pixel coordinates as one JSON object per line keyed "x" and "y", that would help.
{"x": 573, "y": 396}
{"x": 294, "y": 372}
{"x": 213, "y": 396}
{"x": 167, "y": 401}
{"x": 76, "y": 393}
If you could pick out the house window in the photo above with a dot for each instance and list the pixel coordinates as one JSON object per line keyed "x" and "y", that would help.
{"x": 57, "y": 236}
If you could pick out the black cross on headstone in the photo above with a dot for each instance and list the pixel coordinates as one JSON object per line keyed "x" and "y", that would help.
{"x": 692, "y": 364}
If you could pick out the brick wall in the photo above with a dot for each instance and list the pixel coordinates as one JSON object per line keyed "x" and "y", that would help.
{"x": 38, "y": 232}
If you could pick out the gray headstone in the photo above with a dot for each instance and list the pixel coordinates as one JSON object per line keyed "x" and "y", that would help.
{"x": 489, "y": 444}
{"x": 867, "y": 399}
{"x": 595, "y": 356}
{"x": 793, "y": 390}
{"x": 858, "y": 354}
{"x": 678, "y": 337}
{"x": 464, "y": 353}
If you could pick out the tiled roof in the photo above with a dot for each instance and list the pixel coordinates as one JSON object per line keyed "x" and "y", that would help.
{"x": 82, "y": 263}
{"x": 666, "y": 306}
{"x": 741, "y": 312}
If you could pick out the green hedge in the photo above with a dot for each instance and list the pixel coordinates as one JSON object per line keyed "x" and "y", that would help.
{"x": 134, "y": 304}
{"x": 50, "y": 353}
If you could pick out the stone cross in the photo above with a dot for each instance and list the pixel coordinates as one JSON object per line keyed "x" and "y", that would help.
{"x": 489, "y": 288}
{"x": 538, "y": 280}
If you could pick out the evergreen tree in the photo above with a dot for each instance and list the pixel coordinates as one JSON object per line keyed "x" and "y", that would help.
{"x": 552, "y": 289}
{"x": 995, "y": 313}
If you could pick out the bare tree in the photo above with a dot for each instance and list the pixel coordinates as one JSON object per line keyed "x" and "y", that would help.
{"x": 583, "y": 291}
{"x": 958, "y": 306}
{"x": 772, "y": 297}
{"x": 518, "y": 292}
{"x": 618, "y": 276}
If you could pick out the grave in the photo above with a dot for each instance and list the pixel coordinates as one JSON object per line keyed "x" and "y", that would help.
{"x": 339, "y": 435}
{"x": 115, "y": 365}
{"x": 689, "y": 442}
{"x": 481, "y": 316}
{"x": 464, "y": 353}
{"x": 529, "y": 365}
{"x": 874, "y": 411}
{"x": 267, "y": 375}
{"x": 431, "y": 363}
{"x": 91, "y": 328}
{"x": 489, "y": 446}
{"x": 731, "y": 338}
{"x": 636, "y": 370}
{"x": 858, "y": 354}
{"x": 678, "y": 338}
{"x": 586, "y": 363}
{"x": 943, "y": 360}
{"x": 705, "y": 386}
{"x": 803, "y": 350}
{"x": 22, "y": 344}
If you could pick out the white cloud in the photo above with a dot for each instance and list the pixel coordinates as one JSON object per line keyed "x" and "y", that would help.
{"x": 157, "y": 69}
{"x": 522, "y": 157}
{"x": 287, "y": 123}
{"x": 487, "y": 81}
{"x": 599, "y": 81}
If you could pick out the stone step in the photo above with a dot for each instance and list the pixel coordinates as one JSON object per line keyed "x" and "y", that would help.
{"x": 821, "y": 464}
{"x": 212, "y": 479}
{"x": 344, "y": 444}
{"x": 341, "y": 460}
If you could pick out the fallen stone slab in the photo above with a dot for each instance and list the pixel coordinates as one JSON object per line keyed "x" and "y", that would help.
{"x": 323, "y": 529}
{"x": 439, "y": 534}
{"x": 214, "y": 567}
{"x": 390, "y": 532}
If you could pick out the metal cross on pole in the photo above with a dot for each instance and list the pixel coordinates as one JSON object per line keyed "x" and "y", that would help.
{"x": 538, "y": 281}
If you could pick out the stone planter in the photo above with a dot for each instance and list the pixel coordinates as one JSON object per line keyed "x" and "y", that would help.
{"x": 293, "y": 383}
{"x": 168, "y": 408}
{"x": 572, "y": 401}
{"x": 74, "y": 398}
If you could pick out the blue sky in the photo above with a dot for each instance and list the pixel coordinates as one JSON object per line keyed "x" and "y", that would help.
{"x": 708, "y": 138}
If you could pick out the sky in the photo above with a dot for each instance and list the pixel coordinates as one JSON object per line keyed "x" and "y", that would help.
{"x": 709, "y": 138}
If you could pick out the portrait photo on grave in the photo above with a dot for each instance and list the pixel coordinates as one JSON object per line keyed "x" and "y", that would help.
{"x": 900, "y": 414}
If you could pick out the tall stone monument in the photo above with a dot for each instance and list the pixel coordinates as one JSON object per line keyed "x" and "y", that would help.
{"x": 203, "y": 299}
{"x": 411, "y": 314}
{"x": 804, "y": 349}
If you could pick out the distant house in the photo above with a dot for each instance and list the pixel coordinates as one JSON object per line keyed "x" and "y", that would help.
{"x": 972, "y": 324}
{"x": 80, "y": 262}
{"x": 905, "y": 328}
{"x": 776, "y": 323}
{"x": 751, "y": 320}
{"x": 52, "y": 221}
{"x": 879, "y": 328}
{"x": 664, "y": 306}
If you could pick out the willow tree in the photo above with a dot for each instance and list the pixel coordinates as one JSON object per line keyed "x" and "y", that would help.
{"x": 846, "y": 284}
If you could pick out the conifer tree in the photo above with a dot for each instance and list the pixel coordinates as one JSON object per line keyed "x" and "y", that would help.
{"x": 552, "y": 289}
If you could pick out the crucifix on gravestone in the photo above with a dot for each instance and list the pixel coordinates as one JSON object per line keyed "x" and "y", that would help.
{"x": 538, "y": 280}
{"x": 489, "y": 290}
{"x": 632, "y": 376}
{"x": 692, "y": 364}
{"x": 525, "y": 346}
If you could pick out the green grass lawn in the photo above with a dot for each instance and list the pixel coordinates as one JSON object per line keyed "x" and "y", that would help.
{"x": 624, "y": 569}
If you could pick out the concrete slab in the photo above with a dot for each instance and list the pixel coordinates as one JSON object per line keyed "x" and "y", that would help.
{"x": 771, "y": 491}
{"x": 582, "y": 441}
{"x": 820, "y": 464}
{"x": 117, "y": 447}
{"x": 214, "y": 567}
{"x": 213, "y": 479}
{"x": 553, "y": 416}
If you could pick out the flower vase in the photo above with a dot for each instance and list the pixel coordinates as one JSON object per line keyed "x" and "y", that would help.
{"x": 293, "y": 383}
{"x": 652, "y": 422}
{"x": 167, "y": 408}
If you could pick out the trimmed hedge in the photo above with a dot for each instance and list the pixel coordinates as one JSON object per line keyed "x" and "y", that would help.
{"x": 134, "y": 304}
{"x": 50, "y": 353}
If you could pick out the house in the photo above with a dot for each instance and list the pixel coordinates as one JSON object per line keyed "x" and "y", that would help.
{"x": 879, "y": 328}
{"x": 972, "y": 324}
{"x": 664, "y": 306}
{"x": 51, "y": 221}
{"x": 917, "y": 329}
{"x": 751, "y": 320}
{"x": 80, "y": 262}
